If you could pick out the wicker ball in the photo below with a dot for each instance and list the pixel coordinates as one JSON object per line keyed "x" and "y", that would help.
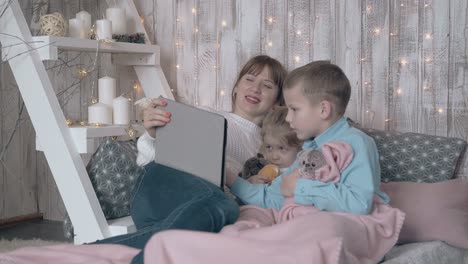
{"x": 53, "y": 25}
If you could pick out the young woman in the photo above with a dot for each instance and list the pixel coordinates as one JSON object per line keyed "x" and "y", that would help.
{"x": 166, "y": 198}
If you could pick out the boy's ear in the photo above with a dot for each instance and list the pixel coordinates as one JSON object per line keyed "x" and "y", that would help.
{"x": 326, "y": 109}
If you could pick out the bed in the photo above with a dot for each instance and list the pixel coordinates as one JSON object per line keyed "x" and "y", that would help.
{"x": 417, "y": 173}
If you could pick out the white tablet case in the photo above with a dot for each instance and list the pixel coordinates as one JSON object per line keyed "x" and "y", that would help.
{"x": 193, "y": 141}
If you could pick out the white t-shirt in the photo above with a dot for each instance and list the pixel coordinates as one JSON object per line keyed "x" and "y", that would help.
{"x": 243, "y": 142}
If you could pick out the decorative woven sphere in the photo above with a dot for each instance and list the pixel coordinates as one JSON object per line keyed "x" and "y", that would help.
{"x": 53, "y": 25}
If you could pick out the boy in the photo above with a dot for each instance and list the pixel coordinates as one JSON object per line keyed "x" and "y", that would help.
{"x": 317, "y": 95}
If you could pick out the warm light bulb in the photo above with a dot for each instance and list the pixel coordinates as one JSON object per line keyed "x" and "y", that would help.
{"x": 194, "y": 11}
{"x": 403, "y": 62}
{"x": 297, "y": 59}
{"x": 177, "y": 66}
{"x": 223, "y": 23}
{"x": 299, "y": 32}
{"x": 377, "y": 31}
{"x": 428, "y": 60}
{"x": 399, "y": 92}
{"x": 270, "y": 44}
{"x": 402, "y": 5}
{"x": 270, "y": 20}
{"x": 440, "y": 110}
{"x": 428, "y": 36}
{"x": 221, "y": 92}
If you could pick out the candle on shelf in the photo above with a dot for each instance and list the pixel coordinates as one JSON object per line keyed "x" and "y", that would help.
{"x": 104, "y": 29}
{"x": 99, "y": 114}
{"x": 106, "y": 90}
{"x": 121, "y": 111}
{"x": 118, "y": 18}
{"x": 75, "y": 28}
{"x": 86, "y": 19}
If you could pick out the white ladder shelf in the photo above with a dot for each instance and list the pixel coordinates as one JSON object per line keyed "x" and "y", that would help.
{"x": 61, "y": 144}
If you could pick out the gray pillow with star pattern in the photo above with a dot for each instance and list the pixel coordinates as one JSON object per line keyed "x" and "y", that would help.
{"x": 416, "y": 157}
{"x": 113, "y": 172}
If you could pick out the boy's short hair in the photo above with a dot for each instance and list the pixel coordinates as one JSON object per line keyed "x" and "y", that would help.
{"x": 275, "y": 125}
{"x": 321, "y": 80}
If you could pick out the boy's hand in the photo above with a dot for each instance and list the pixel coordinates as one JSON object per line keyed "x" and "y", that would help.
{"x": 258, "y": 179}
{"x": 288, "y": 185}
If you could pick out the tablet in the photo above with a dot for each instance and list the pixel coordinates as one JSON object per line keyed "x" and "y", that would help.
{"x": 194, "y": 141}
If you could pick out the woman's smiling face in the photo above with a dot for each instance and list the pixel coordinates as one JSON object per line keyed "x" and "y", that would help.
{"x": 255, "y": 95}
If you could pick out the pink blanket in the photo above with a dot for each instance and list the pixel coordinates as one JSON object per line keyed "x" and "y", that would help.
{"x": 296, "y": 234}
{"x": 70, "y": 254}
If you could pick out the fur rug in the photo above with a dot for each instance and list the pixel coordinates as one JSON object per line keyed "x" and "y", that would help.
{"x": 9, "y": 245}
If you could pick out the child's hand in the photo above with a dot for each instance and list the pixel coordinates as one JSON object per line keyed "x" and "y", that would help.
{"x": 258, "y": 179}
{"x": 288, "y": 184}
{"x": 154, "y": 117}
{"x": 230, "y": 178}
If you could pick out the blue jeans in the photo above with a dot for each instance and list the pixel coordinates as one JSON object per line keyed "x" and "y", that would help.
{"x": 166, "y": 198}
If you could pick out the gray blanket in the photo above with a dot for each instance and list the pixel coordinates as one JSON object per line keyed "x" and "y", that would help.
{"x": 435, "y": 252}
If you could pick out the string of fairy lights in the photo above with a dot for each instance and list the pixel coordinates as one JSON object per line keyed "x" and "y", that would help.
{"x": 270, "y": 21}
{"x": 404, "y": 62}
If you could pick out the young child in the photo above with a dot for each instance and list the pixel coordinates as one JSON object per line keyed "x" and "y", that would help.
{"x": 317, "y": 95}
{"x": 280, "y": 147}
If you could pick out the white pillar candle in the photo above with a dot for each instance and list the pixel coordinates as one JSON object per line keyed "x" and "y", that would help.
{"x": 106, "y": 90}
{"x": 86, "y": 18}
{"x": 121, "y": 111}
{"x": 118, "y": 18}
{"x": 104, "y": 29}
{"x": 75, "y": 28}
{"x": 99, "y": 114}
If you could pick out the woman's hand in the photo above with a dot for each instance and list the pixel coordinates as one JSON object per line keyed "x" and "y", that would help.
{"x": 154, "y": 117}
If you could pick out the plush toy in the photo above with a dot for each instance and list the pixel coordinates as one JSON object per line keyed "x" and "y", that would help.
{"x": 310, "y": 161}
{"x": 252, "y": 166}
{"x": 270, "y": 172}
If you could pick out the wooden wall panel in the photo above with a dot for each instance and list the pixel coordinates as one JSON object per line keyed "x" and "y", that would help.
{"x": 348, "y": 51}
{"x": 457, "y": 114}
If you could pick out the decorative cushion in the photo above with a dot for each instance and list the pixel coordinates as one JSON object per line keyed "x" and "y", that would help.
{"x": 113, "y": 172}
{"x": 416, "y": 157}
{"x": 434, "y": 211}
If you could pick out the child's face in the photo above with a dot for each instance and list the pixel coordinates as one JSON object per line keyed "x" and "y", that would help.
{"x": 303, "y": 116}
{"x": 278, "y": 153}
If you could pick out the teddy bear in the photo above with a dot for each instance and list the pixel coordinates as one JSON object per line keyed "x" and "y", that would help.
{"x": 310, "y": 161}
{"x": 260, "y": 166}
